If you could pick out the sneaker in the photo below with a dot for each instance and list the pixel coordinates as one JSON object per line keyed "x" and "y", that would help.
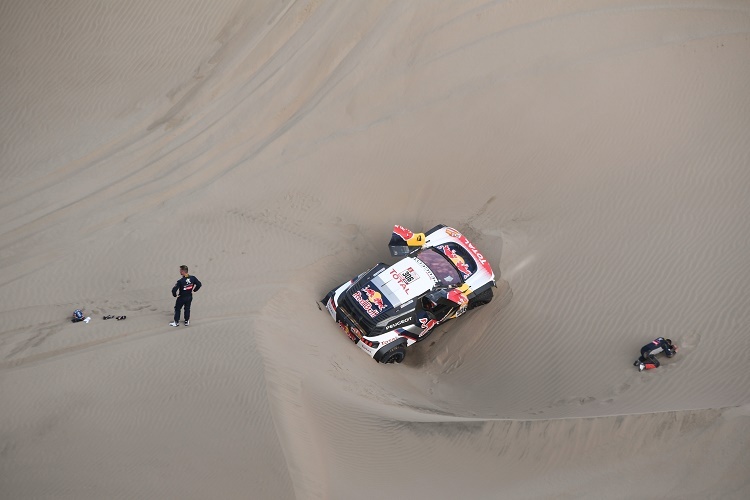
{"x": 174, "y": 323}
{"x": 187, "y": 322}
{"x": 641, "y": 366}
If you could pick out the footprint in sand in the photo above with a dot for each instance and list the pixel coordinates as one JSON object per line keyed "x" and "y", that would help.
{"x": 616, "y": 392}
{"x": 566, "y": 402}
{"x": 689, "y": 342}
{"x": 35, "y": 340}
{"x": 136, "y": 307}
{"x": 621, "y": 388}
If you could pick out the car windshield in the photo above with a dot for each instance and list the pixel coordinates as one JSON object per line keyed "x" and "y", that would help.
{"x": 440, "y": 266}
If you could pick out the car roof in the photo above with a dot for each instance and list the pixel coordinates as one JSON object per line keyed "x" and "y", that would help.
{"x": 449, "y": 240}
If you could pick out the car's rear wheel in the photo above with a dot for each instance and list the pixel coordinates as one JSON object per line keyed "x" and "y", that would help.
{"x": 394, "y": 355}
{"x": 483, "y": 298}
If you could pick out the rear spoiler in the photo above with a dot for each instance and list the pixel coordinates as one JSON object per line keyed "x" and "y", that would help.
{"x": 404, "y": 241}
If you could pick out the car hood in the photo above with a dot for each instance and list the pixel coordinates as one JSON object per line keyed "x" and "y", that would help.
{"x": 407, "y": 279}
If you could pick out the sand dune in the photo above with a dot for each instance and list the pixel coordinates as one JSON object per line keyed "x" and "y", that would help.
{"x": 596, "y": 152}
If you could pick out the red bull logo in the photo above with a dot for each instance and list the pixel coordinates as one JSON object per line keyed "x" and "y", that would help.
{"x": 456, "y": 296}
{"x": 375, "y": 297}
{"x": 427, "y": 324}
{"x": 373, "y": 304}
{"x": 457, "y": 260}
{"x": 403, "y": 232}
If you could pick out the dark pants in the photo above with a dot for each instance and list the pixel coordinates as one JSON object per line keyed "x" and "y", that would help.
{"x": 182, "y": 300}
{"x": 648, "y": 358}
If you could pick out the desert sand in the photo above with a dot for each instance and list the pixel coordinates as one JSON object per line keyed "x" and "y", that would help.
{"x": 598, "y": 152}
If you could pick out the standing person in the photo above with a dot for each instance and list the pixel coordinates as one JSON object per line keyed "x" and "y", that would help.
{"x": 185, "y": 286}
{"x": 647, "y": 360}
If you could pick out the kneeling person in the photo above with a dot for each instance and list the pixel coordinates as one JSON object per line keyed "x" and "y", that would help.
{"x": 647, "y": 360}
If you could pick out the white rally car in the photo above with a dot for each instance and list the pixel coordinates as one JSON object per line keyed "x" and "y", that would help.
{"x": 386, "y": 309}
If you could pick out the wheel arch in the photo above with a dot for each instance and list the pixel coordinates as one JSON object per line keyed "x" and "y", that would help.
{"x": 387, "y": 347}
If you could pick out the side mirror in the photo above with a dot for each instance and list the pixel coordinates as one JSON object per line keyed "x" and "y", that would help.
{"x": 458, "y": 298}
{"x": 403, "y": 241}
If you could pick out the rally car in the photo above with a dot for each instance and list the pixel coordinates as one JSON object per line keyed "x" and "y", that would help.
{"x": 386, "y": 309}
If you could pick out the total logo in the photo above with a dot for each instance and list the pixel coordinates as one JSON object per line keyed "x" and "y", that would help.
{"x": 404, "y": 277}
{"x": 476, "y": 253}
{"x": 386, "y": 342}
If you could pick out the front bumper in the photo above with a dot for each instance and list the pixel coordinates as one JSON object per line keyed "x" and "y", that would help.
{"x": 346, "y": 320}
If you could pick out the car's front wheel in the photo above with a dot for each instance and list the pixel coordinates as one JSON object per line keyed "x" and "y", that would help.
{"x": 394, "y": 355}
{"x": 483, "y": 298}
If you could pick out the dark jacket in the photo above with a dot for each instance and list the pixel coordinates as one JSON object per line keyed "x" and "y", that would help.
{"x": 658, "y": 345}
{"x": 186, "y": 286}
